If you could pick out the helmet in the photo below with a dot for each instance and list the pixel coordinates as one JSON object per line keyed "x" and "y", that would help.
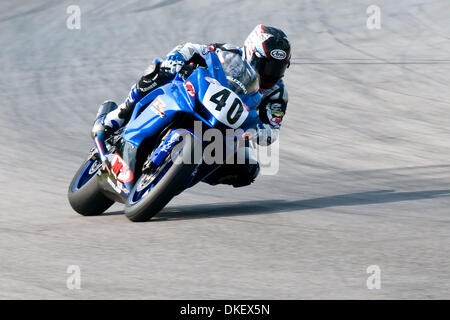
{"x": 268, "y": 51}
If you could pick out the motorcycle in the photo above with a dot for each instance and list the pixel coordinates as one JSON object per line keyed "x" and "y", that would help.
{"x": 159, "y": 154}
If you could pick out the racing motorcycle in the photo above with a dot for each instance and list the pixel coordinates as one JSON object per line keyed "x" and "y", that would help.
{"x": 158, "y": 154}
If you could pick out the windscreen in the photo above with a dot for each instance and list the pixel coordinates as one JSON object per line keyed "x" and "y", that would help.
{"x": 240, "y": 75}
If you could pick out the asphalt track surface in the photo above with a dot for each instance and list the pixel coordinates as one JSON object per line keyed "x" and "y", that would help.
{"x": 364, "y": 173}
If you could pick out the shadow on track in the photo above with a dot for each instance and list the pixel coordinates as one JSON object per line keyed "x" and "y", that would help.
{"x": 216, "y": 210}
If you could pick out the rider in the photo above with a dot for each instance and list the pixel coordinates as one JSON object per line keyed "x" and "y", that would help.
{"x": 266, "y": 49}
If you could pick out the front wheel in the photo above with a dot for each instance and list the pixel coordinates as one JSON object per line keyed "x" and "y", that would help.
{"x": 84, "y": 193}
{"x": 155, "y": 188}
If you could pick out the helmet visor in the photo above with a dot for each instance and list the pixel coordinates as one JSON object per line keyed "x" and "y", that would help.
{"x": 270, "y": 71}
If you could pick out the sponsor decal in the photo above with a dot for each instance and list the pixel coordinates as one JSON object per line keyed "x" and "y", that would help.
{"x": 277, "y": 113}
{"x": 278, "y": 54}
{"x": 158, "y": 106}
{"x": 116, "y": 188}
{"x": 243, "y": 88}
{"x": 190, "y": 89}
{"x": 120, "y": 169}
{"x": 119, "y": 188}
{"x": 123, "y": 188}
{"x": 276, "y": 120}
{"x": 153, "y": 85}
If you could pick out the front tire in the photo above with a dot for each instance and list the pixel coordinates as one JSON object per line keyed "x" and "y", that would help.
{"x": 84, "y": 192}
{"x": 166, "y": 188}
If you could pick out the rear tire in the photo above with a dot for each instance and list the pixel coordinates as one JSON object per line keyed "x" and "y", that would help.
{"x": 166, "y": 188}
{"x": 87, "y": 200}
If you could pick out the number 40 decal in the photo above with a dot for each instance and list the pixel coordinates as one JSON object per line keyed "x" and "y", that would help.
{"x": 220, "y": 99}
{"x": 225, "y": 106}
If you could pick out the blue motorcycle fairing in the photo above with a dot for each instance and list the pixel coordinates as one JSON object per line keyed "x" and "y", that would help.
{"x": 148, "y": 123}
{"x": 201, "y": 84}
{"x": 175, "y": 99}
{"x": 162, "y": 105}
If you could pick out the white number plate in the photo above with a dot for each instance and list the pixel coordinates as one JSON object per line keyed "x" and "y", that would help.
{"x": 225, "y": 105}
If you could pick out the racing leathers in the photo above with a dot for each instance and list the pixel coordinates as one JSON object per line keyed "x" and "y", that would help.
{"x": 271, "y": 109}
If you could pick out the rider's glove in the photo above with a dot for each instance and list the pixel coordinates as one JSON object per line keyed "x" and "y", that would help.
{"x": 265, "y": 134}
{"x": 173, "y": 63}
{"x": 99, "y": 126}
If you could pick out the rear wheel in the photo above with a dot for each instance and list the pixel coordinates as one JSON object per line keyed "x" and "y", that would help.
{"x": 157, "y": 186}
{"x": 84, "y": 193}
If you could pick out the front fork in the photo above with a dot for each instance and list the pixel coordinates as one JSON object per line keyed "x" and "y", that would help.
{"x": 101, "y": 147}
{"x": 164, "y": 149}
